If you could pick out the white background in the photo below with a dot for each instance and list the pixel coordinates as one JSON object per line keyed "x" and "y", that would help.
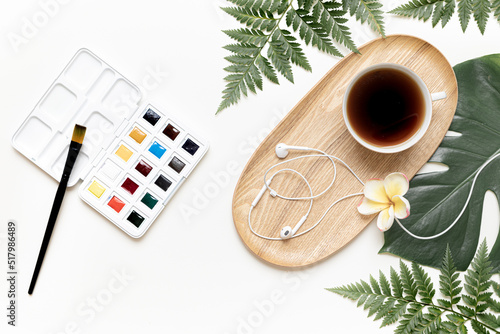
{"x": 191, "y": 273}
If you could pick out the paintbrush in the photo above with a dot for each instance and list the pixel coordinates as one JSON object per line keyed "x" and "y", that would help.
{"x": 74, "y": 149}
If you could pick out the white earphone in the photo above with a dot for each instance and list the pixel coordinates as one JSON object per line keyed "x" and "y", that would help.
{"x": 282, "y": 150}
{"x": 287, "y": 232}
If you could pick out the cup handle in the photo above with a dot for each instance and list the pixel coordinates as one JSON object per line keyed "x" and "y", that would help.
{"x": 438, "y": 96}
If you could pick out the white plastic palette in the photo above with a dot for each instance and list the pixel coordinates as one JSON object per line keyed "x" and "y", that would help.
{"x": 134, "y": 157}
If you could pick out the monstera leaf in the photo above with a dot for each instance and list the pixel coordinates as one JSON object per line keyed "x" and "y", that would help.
{"x": 437, "y": 198}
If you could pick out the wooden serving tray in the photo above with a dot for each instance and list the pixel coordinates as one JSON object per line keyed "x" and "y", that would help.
{"x": 316, "y": 121}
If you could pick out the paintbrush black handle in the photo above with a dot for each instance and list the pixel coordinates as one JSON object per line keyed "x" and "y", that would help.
{"x": 56, "y": 206}
{"x": 61, "y": 190}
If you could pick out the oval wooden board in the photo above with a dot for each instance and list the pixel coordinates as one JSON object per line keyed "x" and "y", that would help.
{"x": 316, "y": 121}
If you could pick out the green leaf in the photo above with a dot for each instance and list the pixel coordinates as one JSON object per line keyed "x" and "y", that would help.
{"x": 293, "y": 49}
{"x": 244, "y": 35}
{"x": 489, "y": 319}
{"x": 255, "y": 19}
{"x": 409, "y": 286}
{"x": 424, "y": 316}
{"x": 448, "y": 280}
{"x": 464, "y": 12}
{"x": 478, "y": 327}
{"x": 496, "y": 7}
{"x": 437, "y": 198}
{"x": 397, "y": 285}
{"x": 424, "y": 284}
{"x": 384, "y": 284}
{"x": 370, "y": 11}
{"x": 449, "y": 9}
{"x": 277, "y": 52}
{"x": 411, "y": 320}
{"x": 243, "y": 49}
{"x": 265, "y": 66}
{"x": 481, "y": 9}
{"x": 395, "y": 313}
{"x": 455, "y": 318}
{"x": 478, "y": 279}
{"x": 467, "y": 311}
{"x": 419, "y": 9}
{"x": 311, "y": 32}
{"x": 332, "y": 20}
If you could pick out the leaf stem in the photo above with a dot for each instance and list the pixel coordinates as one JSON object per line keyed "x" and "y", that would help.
{"x": 449, "y": 310}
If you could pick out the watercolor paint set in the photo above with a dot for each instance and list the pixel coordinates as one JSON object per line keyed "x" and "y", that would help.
{"x": 135, "y": 156}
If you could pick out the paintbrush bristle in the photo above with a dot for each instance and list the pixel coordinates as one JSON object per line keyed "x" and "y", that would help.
{"x": 79, "y": 133}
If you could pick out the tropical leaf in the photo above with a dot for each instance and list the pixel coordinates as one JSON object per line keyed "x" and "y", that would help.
{"x": 422, "y": 315}
{"x": 437, "y": 198}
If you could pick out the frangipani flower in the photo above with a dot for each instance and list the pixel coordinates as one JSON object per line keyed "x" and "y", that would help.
{"x": 387, "y": 198}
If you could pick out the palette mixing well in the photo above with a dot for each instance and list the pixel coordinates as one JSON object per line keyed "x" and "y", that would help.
{"x": 134, "y": 156}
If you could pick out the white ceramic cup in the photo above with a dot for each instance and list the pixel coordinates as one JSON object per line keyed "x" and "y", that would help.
{"x": 428, "y": 99}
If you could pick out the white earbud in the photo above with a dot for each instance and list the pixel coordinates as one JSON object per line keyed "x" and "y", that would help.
{"x": 287, "y": 232}
{"x": 282, "y": 149}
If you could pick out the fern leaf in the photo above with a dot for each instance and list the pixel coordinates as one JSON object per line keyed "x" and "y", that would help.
{"x": 395, "y": 314}
{"x": 239, "y": 60}
{"x": 243, "y": 3}
{"x": 424, "y": 284}
{"x": 496, "y": 7}
{"x": 332, "y": 20}
{"x": 467, "y": 311}
{"x": 409, "y": 286}
{"x": 385, "y": 309}
{"x": 455, "y": 318}
{"x": 489, "y": 319}
{"x": 255, "y": 19}
{"x": 375, "y": 286}
{"x": 244, "y": 35}
{"x": 397, "y": 286}
{"x": 477, "y": 280}
{"x": 464, "y": 12}
{"x": 310, "y": 32}
{"x": 370, "y": 10}
{"x": 307, "y": 5}
{"x": 351, "y": 6}
{"x": 448, "y": 10}
{"x": 419, "y": 9}
{"x": 266, "y": 68}
{"x": 449, "y": 284}
{"x": 376, "y": 305}
{"x": 384, "y": 284}
{"x": 293, "y": 49}
{"x": 478, "y": 327}
{"x": 481, "y": 9}
{"x": 438, "y": 12}
{"x": 277, "y": 52}
{"x": 243, "y": 49}
{"x": 431, "y": 322}
{"x": 411, "y": 320}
